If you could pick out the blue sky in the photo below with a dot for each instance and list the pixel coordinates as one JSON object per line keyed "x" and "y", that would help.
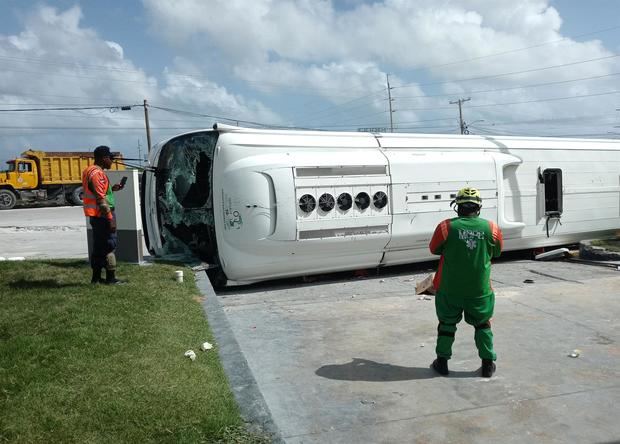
{"x": 534, "y": 67}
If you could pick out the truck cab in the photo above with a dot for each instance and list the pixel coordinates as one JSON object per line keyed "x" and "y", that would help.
{"x": 21, "y": 175}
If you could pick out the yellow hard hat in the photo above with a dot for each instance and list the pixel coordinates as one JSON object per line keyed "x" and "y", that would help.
{"x": 468, "y": 194}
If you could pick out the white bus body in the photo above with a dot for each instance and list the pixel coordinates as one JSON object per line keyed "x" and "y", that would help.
{"x": 242, "y": 198}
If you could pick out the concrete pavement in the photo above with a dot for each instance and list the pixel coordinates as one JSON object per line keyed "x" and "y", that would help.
{"x": 45, "y": 233}
{"x": 347, "y": 360}
{"x": 54, "y": 232}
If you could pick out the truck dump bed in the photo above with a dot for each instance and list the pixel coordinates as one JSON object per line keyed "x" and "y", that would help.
{"x": 64, "y": 167}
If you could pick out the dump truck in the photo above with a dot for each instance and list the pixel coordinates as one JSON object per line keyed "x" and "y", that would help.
{"x": 46, "y": 176}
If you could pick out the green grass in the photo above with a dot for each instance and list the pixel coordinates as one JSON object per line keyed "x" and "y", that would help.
{"x": 608, "y": 244}
{"x": 84, "y": 363}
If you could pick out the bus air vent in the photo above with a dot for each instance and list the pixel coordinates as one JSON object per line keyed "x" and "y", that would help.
{"x": 379, "y": 199}
{"x": 307, "y": 203}
{"x": 362, "y": 200}
{"x": 326, "y": 202}
{"x": 345, "y": 201}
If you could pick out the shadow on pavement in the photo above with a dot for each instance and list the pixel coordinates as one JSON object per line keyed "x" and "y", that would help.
{"x": 371, "y": 371}
{"x": 24, "y": 284}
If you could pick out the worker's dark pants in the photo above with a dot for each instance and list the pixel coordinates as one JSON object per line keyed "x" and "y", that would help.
{"x": 104, "y": 244}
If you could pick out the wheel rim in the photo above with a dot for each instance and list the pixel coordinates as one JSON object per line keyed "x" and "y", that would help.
{"x": 6, "y": 200}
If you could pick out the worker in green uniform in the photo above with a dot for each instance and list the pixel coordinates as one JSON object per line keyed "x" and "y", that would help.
{"x": 466, "y": 244}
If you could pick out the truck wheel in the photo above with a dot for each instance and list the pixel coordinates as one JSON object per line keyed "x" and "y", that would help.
{"x": 76, "y": 196}
{"x": 7, "y": 199}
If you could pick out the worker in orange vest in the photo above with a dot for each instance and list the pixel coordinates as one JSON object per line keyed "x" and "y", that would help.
{"x": 99, "y": 208}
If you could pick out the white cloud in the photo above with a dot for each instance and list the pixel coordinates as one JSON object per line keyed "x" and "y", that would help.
{"x": 279, "y": 46}
{"x": 55, "y": 59}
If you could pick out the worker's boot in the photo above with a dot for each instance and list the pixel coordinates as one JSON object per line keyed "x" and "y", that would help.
{"x": 110, "y": 278}
{"x": 488, "y": 368}
{"x": 440, "y": 365}
{"x": 96, "y": 279}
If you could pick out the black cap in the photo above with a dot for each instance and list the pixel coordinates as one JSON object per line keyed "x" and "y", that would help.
{"x": 103, "y": 151}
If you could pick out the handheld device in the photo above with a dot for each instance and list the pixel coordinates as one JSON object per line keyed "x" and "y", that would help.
{"x": 123, "y": 181}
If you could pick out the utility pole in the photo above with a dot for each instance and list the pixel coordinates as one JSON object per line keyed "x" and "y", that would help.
{"x": 390, "y": 100}
{"x": 139, "y": 152}
{"x": 461, "y": 122}
{"x": 148, "y": 128}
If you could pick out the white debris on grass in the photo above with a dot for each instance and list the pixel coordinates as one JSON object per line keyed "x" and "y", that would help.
{"x": 190, "y": 354}
{"x": 206, "y": 346}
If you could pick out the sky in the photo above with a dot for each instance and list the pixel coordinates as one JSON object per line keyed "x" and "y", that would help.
{"x": 528, "y": 67}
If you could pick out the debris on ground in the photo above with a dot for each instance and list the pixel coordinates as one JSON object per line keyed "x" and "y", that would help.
{"x": 190, "y": 354}
{"x": 528, "y": 281}
{"x": 558, "y": 253}
{"x": 425, "y": 285}
{"x": 367, "y": 402}
{"x": 206, "y": 346}
{"x": 575, "y": 353}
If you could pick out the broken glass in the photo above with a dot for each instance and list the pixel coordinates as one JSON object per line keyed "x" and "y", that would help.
{"x": 184, "y": 195}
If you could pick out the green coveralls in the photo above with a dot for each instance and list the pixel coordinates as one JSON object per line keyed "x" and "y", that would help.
{"x": 462, "y": 281}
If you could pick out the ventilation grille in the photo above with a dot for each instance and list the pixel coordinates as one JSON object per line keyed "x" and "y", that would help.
{"x": 326, "y": 202}
{"x": 363, "y": 170}
{"x": 307, "y": 203}
{"x": 362, "y": 200}
{"x": 342, "y": 232}
{"x": 379, "y": 199}
{"x": 345, "y": 201}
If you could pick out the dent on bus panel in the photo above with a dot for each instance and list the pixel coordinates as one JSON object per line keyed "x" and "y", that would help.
{"x": 184, "y": 195}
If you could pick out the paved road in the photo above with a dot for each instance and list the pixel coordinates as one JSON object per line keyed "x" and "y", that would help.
{"x": 347, "y": 360}
{"x": 44, "y": 233}
{"x": 55, "y": 232}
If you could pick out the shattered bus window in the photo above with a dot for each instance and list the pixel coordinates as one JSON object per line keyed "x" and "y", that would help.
{"x": 184, "y": 196}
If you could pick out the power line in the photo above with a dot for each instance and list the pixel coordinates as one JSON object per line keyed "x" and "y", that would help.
{"x": 521, "y": 102}
{"x": 74, "y": 108}
{"x": 513, "y": 50}
{"x": 113, "y": 69}
{"x": 511, "y": 87}
{"x": 411, "y": 85}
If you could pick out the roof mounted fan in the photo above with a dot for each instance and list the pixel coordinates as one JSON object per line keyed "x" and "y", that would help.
{"x": 362, "y": 200}
{"x": 345, "y": 201}
{"x": 379, "y": 199}
{"x": 326, "y": 202}
{"x": 307, "y": 203}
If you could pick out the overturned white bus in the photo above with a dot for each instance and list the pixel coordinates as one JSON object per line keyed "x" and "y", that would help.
{"x": 264, "y": 204}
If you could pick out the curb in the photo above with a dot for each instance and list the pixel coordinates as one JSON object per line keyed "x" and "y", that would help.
{"x": 591, "y": 252}
{"x": 245, "y": 389}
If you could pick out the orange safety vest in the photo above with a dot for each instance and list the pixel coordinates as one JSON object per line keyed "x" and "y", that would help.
{"x": 91, "y": 209}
